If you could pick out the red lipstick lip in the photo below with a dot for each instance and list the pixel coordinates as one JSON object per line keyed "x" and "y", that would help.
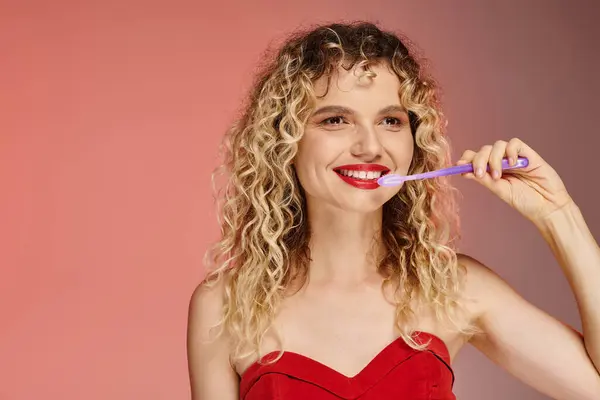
{"x": 361, "y": 183}
{"x": 363, "y": 167}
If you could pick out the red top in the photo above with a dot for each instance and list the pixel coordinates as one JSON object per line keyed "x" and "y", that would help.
{"x": 397, "y": 372}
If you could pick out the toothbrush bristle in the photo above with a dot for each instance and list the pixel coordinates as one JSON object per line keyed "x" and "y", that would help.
{"x": 389, "y": 180}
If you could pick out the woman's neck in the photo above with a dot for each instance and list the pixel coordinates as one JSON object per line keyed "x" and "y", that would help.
{"x": 344, "y": 246}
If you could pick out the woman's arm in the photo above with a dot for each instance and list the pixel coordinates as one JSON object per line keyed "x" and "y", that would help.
{"x": 530, "y": 344}
{"x": 211, "y": 375}
{"x": 578, "y": 254}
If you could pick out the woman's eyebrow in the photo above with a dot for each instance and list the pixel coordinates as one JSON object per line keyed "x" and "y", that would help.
{"x": 333, "y": 109}
{"x": 392, "y": 109}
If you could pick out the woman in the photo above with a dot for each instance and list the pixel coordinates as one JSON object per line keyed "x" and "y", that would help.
{"x": 326, "y": 286}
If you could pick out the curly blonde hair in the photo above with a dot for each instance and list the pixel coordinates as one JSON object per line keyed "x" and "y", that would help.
{"x": 264, "y": 244}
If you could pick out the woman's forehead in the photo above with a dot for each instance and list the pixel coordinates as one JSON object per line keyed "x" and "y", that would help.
{"x": 358, "y": 86}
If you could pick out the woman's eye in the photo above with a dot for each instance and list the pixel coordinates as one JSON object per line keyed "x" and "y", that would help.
{"x": 337, "y": 120}
{"x": 392, "y": 121}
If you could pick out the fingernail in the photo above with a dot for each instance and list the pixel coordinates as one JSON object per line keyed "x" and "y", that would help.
{"x": 511, "y": 161}
{"x": 479, "y": 172}
{"x": 496, "y": 174}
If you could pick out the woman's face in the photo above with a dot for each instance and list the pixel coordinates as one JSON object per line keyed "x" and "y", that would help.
{"x": 357, "y": 131}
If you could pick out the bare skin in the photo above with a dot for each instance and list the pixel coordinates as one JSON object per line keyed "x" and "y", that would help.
{"x": 341, "y": 318}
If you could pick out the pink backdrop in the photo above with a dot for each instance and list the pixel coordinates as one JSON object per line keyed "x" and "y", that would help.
{"x": 110, "y": 115}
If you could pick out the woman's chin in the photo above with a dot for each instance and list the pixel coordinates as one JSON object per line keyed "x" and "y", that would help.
{"x": 363, "y": 204}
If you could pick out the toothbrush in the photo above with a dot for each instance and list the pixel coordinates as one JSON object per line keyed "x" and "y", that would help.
{"x": 395, "y": 179}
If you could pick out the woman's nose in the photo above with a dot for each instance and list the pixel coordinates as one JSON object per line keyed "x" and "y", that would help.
{"x": 367, "y": 145}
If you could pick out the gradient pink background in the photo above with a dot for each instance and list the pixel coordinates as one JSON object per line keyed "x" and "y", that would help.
{"x": 110, "y": 116}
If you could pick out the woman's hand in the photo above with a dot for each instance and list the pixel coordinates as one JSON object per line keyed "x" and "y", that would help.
{"x": 536, "y": 191}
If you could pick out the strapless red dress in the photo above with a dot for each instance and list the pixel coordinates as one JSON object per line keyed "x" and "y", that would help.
{"x": 397, "y": 372}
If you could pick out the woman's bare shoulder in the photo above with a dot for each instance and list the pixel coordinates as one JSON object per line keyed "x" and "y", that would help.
{"x": 206, "y": 302}
{"x": 480, "y": 283}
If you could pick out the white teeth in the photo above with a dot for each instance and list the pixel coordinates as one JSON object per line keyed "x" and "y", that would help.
{"x": 361, "y": 174}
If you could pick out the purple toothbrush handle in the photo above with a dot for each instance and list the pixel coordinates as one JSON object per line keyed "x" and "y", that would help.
{"x": 393, "y": 180}
{"x": 461, "y": 169}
